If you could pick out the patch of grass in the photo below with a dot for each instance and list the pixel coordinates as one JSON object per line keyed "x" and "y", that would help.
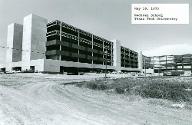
{"x": 95, "y": 85}
{"x": 170, "y": 88}
{"x": 170, "y": 91}
{"x": 120, "y": 90}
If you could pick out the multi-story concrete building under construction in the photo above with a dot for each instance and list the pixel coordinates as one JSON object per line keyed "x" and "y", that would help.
{"x": 167, "y": 63}
{"x": 58, "y": 47}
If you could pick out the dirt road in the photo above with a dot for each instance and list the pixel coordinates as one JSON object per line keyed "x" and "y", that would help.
{"x": 40, "y": 99}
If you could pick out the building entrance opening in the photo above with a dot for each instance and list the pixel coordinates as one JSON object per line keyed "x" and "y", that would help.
{"x": 16, "y": 68}
{"x": 32, "y": 68}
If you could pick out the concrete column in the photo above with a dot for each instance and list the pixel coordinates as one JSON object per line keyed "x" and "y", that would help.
{"x": 34, "y": 39}
{"x": 14, "y": 44}
{"x": 117, "y": 55}
{"x": 60, "y": 34}
{"x": 182, "y": 63}
{"x": 92, "y": 52}
{"x": 112, "y": 55}
{"x": 104, "y": 57}
{"x": 60, "y": 38}
{"x": 166, "y": 62}
{"x": 78, "y": 45}
{"x": 140, "y": 61}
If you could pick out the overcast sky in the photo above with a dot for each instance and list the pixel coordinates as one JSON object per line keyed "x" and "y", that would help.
{"x": 107, "y": 18}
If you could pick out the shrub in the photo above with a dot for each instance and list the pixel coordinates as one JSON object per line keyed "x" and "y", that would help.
{"x": 120, "y": 90}
{"x": 170, "y": 91}
{"x": 171, "y": 88}
{"x": 102, "y": 87}
{"x": 79, "y": 84}
{"x": 95, "y": 85}
{"x": 91, "y": 85}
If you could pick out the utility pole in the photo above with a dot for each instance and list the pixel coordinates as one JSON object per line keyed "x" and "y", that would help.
{"x": 145, "y": 66}
{"x": 105, "y": 65}
{"x": 159, "y": 67}
{"x": 191, "y": 63}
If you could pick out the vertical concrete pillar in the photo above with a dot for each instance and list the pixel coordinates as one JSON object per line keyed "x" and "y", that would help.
{"x": 14, "y": 44}
{"x": 60, "y": 39}
{"x": 140, "y": 61}
{"x": 182, "y": 63}
{"x": 112, "y": 55}
{"x": 166, "y": 62}
{"x": 92, "y": 52}
{"x": 78, "y": 45}
{"x": 117, "y": 55}
{"x": 104, "y": 56}
{"x": 34, "y": 39}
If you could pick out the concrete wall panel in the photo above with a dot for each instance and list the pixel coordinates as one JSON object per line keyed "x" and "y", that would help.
{"x": 39, "y": 64}
{"x": 26, "y": 45}
{"x": 117, "y": 54}
{"x": 14, "y": 44}
{"x": 38, "y": 37}
{"x": 34, "y": 39}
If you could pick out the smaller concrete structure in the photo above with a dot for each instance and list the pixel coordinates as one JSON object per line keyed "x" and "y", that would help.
{"x": 168, "y": 63}
{"x": 117, "y": 55}
{"x": 14, "y": 44}
{"x": 34, "y": 39}
{"x": 140, "y": 61}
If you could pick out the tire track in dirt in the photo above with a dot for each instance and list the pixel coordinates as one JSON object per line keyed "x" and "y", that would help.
{"x": 46, "y": 101}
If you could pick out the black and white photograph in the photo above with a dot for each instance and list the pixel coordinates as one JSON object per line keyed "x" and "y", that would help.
{"x": 95, "y": 62}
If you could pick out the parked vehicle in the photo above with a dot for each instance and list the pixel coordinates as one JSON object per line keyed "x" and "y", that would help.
{"x": 173, "y": 73}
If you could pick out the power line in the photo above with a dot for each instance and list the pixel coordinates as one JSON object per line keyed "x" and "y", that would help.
{"x": 5, "y": 47}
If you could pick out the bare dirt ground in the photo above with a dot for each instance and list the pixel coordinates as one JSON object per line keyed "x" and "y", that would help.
{"x": 42, "y": 99}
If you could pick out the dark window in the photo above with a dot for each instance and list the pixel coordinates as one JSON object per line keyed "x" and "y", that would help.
{"x": 53, "y": 47}
{"x": 53, "y": 37}
{"x": 66, "y": 30}
{"x": 85, "y": 36}
{"x": 52, "y": 28}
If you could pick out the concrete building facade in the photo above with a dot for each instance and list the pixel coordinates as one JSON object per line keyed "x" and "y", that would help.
{"x": 117, "y": 55}
{"x": 167, "y": 63}
{"x": 129, "y": 58}
{"x": 58, "y": 47}
{"x": 68, "y": 43}
{"x": 34, "y": 40}
{"x": 14, "y": 45}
